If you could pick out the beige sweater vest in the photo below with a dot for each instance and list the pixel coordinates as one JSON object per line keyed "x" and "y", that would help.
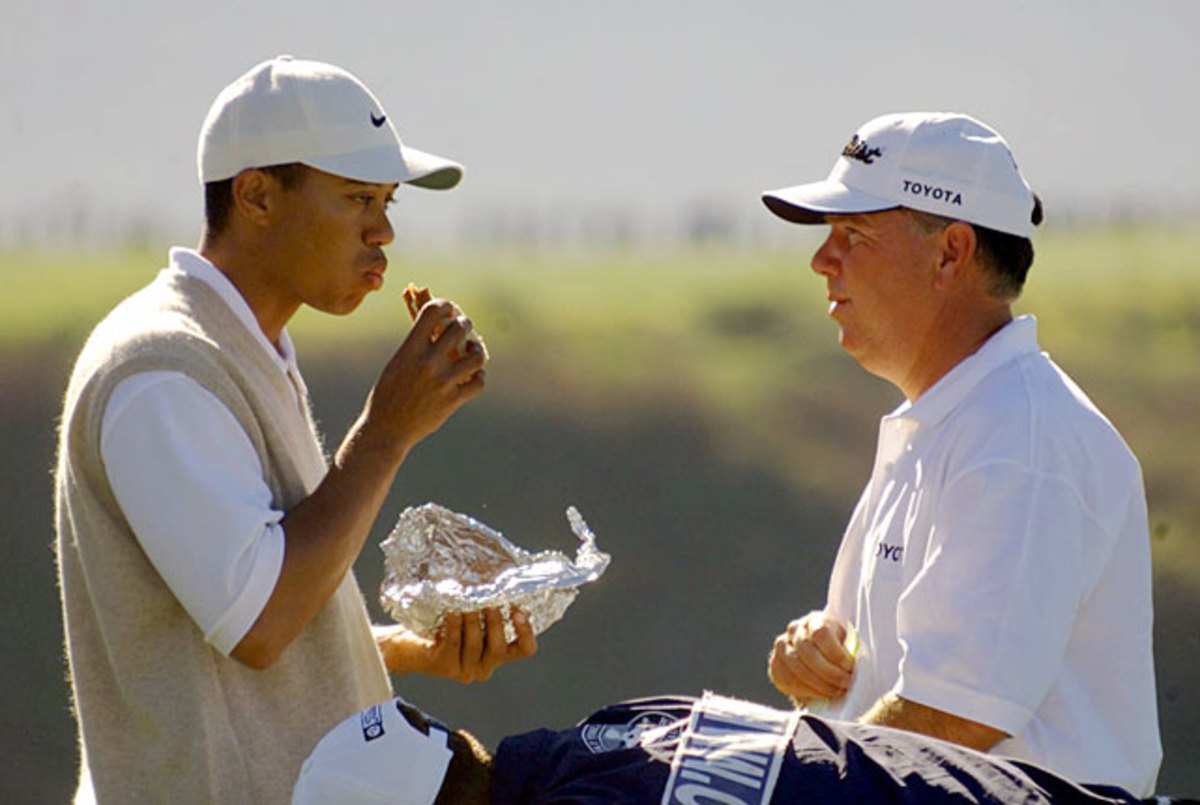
{"x": 164, "y": 717}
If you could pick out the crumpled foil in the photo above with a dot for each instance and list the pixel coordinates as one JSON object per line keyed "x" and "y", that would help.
{"x": 437, "y": 561}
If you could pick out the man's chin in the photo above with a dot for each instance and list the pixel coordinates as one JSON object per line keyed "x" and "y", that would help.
{"x": 845, "y": 341}
{"x": 851, "y": 346}
{"x": 342, "y": 307}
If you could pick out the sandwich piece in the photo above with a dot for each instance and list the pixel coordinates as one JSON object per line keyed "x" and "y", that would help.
{"x": 416, "y": 298}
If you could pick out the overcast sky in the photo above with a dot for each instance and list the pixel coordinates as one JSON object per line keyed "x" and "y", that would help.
{"x": 581, "y": 108}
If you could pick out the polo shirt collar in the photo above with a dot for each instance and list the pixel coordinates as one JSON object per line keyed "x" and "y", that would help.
{"x": 1014, "y": 340}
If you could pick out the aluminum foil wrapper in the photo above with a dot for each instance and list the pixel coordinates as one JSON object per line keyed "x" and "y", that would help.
{"x": 437, "y": 561}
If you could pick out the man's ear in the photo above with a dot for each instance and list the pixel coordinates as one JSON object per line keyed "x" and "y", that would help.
{"x": 958, "y": 243}
{"x": 254, "y": 195}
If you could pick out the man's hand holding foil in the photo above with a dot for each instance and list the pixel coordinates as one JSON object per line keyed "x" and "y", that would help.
{"x": 469, "y": 647}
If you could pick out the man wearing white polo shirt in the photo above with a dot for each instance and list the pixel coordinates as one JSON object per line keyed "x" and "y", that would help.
{"x": 214, "y": 627}
{"x": 993, "y": 585}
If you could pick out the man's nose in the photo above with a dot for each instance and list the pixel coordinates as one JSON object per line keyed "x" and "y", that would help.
{"x": 381, "y": 232}
{"x": 825, "y": 260}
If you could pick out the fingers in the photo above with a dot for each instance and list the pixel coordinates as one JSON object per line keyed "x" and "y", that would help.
{"x": 431, "y": 316}
{"x": 823, "y": 678}
{"x": 809, "y": 661}
{"x": 526, "y": 643}
{"x": 790, "y": 674}
{"x": 439, "y": 318}
{"x": 436, "y": 316}
{"x": 450, "y": 639}
{"x": 472, "y": 645}
{"x": 496, "y": 650}
{"x": 456, "y": 652}
{"x": 781, "y": 674}
{"x": 472, "y": 649}
{"x": 458, "y": 346}
{"x": 792, "y": 678}
{"x": 452, "y": 337}
{"x": 472, "y": 387}
{"x": 496, "y": 647}
{"x": 829, "y": 642}
{"x": 483, "y": 647}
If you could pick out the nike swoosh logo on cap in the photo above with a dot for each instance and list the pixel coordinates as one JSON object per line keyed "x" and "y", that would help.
{"x": 378, "y": 121}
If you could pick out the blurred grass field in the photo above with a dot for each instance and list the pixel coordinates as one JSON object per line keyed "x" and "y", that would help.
{"x": 697, "y": 408}
{"x": 740, "y": 340}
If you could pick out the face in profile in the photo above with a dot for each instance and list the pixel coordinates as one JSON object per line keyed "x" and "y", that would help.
{"x": 327, "y": 237}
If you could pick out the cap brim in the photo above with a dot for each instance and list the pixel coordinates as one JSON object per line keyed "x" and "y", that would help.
{"x": 385, "y": 164}
{"x": 811, "y": 203}
{"x": 431, "y": 172}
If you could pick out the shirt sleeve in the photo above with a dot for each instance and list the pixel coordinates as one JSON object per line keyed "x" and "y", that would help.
{"x": 985, "y": 623}
{"x": 191, "y": 485}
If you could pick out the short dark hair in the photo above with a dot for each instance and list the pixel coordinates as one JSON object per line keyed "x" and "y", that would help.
{"x": 1006, "y": 257}
{"x": 218, "y": 196}
{"x": 468, "y": 779}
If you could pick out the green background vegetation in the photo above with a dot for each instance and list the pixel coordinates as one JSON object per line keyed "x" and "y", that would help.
{"x": 693, "y": 405}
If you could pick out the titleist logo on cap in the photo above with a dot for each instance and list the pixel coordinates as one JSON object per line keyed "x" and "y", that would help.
{"x": 858, "y": 149}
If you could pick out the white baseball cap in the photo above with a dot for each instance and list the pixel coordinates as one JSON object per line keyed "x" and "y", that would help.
{"x": 290, "y": 110}
{"x": 942, "y": 163}
{"x": 374, "y": 757}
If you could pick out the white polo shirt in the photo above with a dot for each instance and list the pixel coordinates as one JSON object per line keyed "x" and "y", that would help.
{"x": 191, "y": 485}
{"x": 997, "y": 567}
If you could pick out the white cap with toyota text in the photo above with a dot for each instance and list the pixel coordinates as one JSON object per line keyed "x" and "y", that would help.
{"x": 375, "y": 757}
{"x": 289, "y": 110}
{"x": 942, "y": 163}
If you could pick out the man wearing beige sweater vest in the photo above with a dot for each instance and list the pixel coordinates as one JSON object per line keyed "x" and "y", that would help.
{"x": 214, "y": 627}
